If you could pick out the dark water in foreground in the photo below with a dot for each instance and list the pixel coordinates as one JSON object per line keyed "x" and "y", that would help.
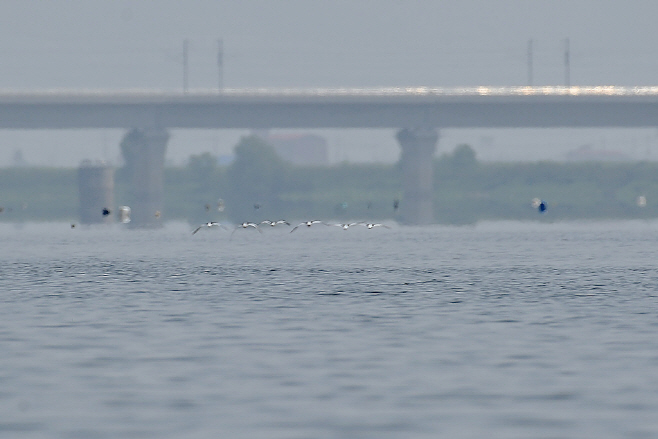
{"x": 505, "y": 330}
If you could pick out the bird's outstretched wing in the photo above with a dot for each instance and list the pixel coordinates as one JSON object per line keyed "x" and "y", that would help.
{"x": 209, "y": 225}
{"x": 307, "y": 224}
{"x": 247, "y": 225}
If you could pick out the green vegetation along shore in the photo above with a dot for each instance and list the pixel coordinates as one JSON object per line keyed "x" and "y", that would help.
{"x": 259, "y": 185}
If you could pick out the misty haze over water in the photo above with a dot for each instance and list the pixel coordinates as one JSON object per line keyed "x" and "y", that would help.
{"x": 503, "y": 329}
{"x": 124, "y": 44}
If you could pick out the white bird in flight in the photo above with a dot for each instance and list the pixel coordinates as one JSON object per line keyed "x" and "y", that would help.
{"x": 307, "y": 224}
{"x": 346, "y": 226}
{"x": 209, "y": 225}
{"x": 373, "y": 225}
{"x": 246, "y": 225}
{"x": 274, "y": 223}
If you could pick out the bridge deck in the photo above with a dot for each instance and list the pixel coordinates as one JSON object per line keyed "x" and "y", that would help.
{"x": 549, "y": 106}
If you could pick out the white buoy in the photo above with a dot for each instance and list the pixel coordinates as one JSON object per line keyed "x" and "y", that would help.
{"x": 124, "y": 214}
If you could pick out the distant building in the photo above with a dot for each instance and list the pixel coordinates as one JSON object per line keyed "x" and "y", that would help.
{"x": 300, "y": 149}
{"x": 225, "y": 159}
{"x": 588, "y": 154}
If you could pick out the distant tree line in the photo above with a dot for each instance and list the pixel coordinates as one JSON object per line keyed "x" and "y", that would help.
{"x": 259, "y": 185}
{"x": 467, "y": 190}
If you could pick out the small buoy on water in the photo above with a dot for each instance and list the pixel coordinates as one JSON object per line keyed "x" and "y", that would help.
{"x": 641, "y": 201}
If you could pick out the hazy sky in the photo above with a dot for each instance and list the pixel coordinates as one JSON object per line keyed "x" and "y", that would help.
{"x": 306, "y": 43}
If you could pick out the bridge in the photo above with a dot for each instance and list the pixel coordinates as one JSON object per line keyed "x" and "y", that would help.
{"x": 417, "y": 112}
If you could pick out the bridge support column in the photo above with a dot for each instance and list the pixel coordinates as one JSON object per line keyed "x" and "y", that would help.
{"x": 418, "y": 146}
{"x": 144, "y": 155}
{"x": 96, "y": 188}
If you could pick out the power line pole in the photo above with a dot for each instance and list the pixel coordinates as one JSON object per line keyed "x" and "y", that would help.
{"x": 567, "y": 63}
{"x": 530, "y": 78}
{"x": 220, "y": 64}
{"x": 185, "y": 64}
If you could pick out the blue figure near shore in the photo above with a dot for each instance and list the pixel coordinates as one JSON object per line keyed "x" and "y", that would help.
{"x": 539, "y": 204}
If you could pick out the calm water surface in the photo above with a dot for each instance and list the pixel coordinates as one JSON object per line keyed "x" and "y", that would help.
{"x": 503, "y": 330}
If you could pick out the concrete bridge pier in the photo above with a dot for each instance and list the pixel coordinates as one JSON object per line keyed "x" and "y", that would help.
{"x": 144, "y": 155}
{"x": 418, "y": 147}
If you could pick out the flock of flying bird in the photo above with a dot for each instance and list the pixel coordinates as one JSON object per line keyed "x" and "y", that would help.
{"x": 246, "y": 225}
{"x": 537, "y": 203}
{"x": 124, "y": 217}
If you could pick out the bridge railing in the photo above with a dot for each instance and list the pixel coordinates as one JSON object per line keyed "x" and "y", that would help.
{"x": 603, "y": 90}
